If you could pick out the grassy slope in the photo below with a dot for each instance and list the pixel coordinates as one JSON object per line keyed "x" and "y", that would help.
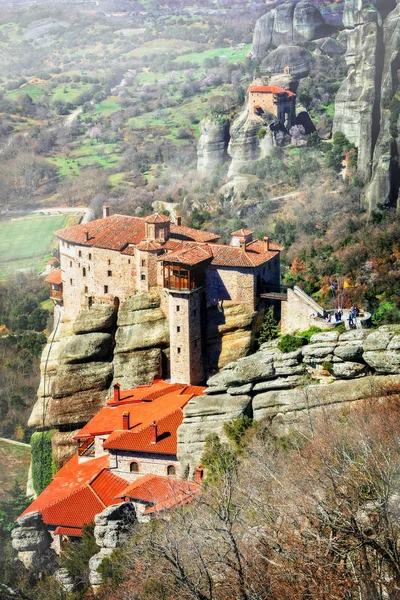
{"x": 25, "y": 243}
{"x": 14, "y": 464}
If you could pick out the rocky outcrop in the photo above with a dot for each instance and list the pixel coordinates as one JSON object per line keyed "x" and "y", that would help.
{"x": 289, "y": 388}
{"x": 363, "y": 110}
{"x": 355, "y": 103}
{"x": 287, "y": 23}
{"x": 299, "y": 59}
{"x": 32, "y": 541}
{"x": 111, "y": 531}
{"x": 213, "y": 143}
{"x": 246, "y": 145}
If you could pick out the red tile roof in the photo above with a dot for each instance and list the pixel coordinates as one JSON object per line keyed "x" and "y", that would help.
{"x": 270, "y": 89}
{"x": 53, "y": 261}
{"x": 75, "y": 510}
{"x": 54, "y": 277}
{"x": 118, "y": 231}
{"x": 241, "y": 233}
{"x": 145, "y": 405}
{"x": 157, "y": 218}
{"x": 188, "y": 254}
{"x": 107, "y": 485}
{"x": 232, "y": 256}
{"x": 72, "y": 531}
{"x": 160, "y": 492}
{"x": 149, "y": 246}
{"x": 139, "y": 440}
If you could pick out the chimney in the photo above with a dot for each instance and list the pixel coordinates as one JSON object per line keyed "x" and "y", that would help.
{"x": 125, "y": 420}
{"x": 86, "y": 235}
{"x": 266, "y": 240}
{"x": 178, "y": 220}
{"x": 242, "y": 243}
{"x": 153, "y": 433}
{"x": 198, "y": 474}
{"x": 106, "y": 211}
{"x": 117, "y": 392}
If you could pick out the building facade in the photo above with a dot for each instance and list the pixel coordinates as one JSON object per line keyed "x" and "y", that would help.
{"x": 118, "y": 256}
{"x": 275, "y": 100}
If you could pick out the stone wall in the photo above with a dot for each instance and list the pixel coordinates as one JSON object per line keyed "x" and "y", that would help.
{"x": 297, "y": 311}
{"x": 149, "y": 464}
{"x": 288, "y": 388}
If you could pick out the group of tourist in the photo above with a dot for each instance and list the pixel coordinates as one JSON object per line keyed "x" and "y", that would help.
{"x": 338, "y": 316}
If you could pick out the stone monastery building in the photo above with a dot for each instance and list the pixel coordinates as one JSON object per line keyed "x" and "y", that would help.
{"x": 126, "y": 453}
{"x": 275, "y": 100}
{"x": 113, "y": 258}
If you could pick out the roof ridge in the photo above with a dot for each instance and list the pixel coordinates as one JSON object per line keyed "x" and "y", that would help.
{"x": 82, "y": 487}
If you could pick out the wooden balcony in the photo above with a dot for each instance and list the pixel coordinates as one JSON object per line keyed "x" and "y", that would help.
{"x": 179, "y": 279}
{"x": 56, "y": 294}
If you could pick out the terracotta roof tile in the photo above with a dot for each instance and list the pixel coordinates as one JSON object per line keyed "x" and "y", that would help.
{"x": 107, "y": 485}
{"x": 188, "y": 254}
{"x": 161, "y": 492}
{"x": 72, "y": 531}
{"x": 113, "y": 232}
{"x": 74, "y": 510}
{"x": 232, "y": 256}
{"x": 241, "y": 233}
{"x": 54, "y": 277}
{"x": 53, "y": 261}
{"x": 270, "y": 89}
{"x": 149, "y": 246}
{"x": 157, "y": 218}
{"x": 139, "y": 440}
{"x": 146, "y": 405}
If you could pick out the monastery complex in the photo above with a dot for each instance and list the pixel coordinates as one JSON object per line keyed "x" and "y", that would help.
{"x": 113, "y": 258}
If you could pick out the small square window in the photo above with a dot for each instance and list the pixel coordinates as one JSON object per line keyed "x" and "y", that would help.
{"x": 70, "y": 263}
{"x": 143, "y": 263}
{"x": 143, "y": 277}
{"x": 178, "y": 329}
{"x": 70, "y": 281}
{"x": 178, "y": 308}
{"x": 178, "y": 350}
{"x": 129, "y": 261}
{"x": 90, "y": 256}
{"x": 109, "y": 261}
{"x": 86, "y": 289}
{"x": 109, "y": 273}
{"x": 106, "y": 289}
{"x": 84, "y": 272}
{"x": 80, "y": 253}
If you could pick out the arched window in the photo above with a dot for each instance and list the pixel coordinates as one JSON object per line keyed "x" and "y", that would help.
{"x": 171, "y": 471}
{"x": 134, "y": 467}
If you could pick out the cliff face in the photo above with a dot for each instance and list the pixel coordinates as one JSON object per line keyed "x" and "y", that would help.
{"x": 285, "y": 24}
{"x": 213, "y": 143}
{"x": 363, "y": 104}
{"x": 129, "y": 346}
{"x": 278, "y": 386}
{"x": 246, "y": 145}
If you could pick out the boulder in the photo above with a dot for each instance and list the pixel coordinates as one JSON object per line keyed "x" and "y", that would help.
{"x": 318, "y": 350}
{"x": 30, "y": 539}
{"x": 348, "y": 370}
{"x": 299, "y": 59}
{"x": 351, "y": 351}
{"x": 75, "y": 409}
{"x": 383, "y": 361}
{"x": 213, "y": 144}
{"x": 139, "y": 309}
{"x": 308, "y": 23}
{"x": 377, "y": 340}
{"x": 99, "y": 317}
{"x": 280, "y": 383}
{"x": 330, "y": 46}
{"x": 352, "y": 335}
{"x": 324, "y": 336}
{"x": 87, "y": 347}
{"x": 73, "y": 379}
{"x": 137, "y": 368}
{"x": 144, "y": 335}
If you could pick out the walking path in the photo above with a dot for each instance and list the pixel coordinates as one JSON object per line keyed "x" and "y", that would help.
{"x": 14, "y": 442}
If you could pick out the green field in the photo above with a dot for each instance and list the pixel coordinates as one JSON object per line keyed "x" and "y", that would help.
{"x": 26, "y": 242}
{"x": 14, "y": 465}
{"x": 230, "y": 54}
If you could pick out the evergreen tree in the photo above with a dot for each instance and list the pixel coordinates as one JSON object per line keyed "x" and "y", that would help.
{"x": 269, "y": 329}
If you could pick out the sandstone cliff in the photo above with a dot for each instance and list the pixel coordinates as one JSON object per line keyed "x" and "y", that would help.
{"x": 129, "y": 346}
{"x": 285, "y": 24}
{"x": 364, "y": 102}
{"x": 287, "y": 389}
{"x": 213, "y": 143}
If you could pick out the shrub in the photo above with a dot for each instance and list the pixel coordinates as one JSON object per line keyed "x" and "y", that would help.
{"x": 43, "y": 467}
{"x": 327, "y": 366}
{"x": 261, "y": 133}
{"x": 309, "y": 332}
{"x": 269, "y": 329}
{"x": 289, "y": 343}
